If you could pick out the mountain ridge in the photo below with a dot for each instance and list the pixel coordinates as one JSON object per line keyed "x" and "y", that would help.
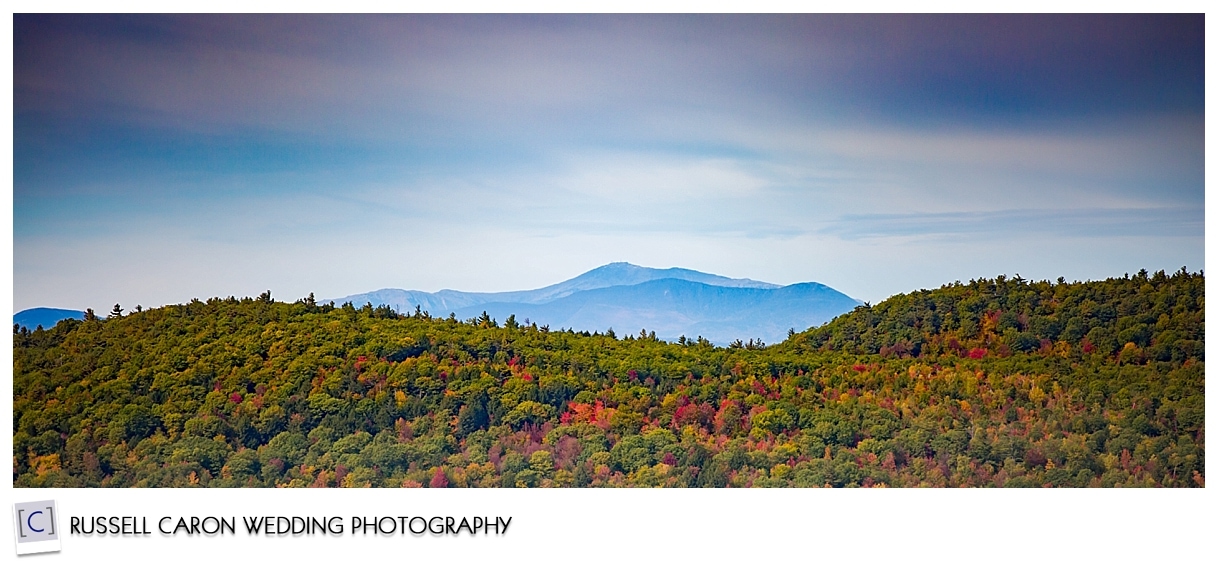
{"x": 613, "y": 274}
{"x": 627, "y": 298}
{"x": 45, "y": 316}
{"x": 676, "y": 307}
{"x": 672, "y": 302}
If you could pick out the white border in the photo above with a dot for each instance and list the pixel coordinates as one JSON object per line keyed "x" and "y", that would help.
{"x": 654, "y": 524}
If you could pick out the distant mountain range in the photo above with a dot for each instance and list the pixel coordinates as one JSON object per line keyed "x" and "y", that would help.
{"x": 45, "y": 317}
{"x": 629, "y": 298}
{"x": 624, "y": 297}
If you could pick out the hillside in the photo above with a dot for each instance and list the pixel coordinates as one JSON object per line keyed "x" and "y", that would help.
{"x": 1161, "y": 316}
{"x": 253, "y": 392}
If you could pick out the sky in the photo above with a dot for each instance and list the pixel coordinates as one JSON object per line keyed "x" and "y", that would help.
{"x": 163, "y": 158}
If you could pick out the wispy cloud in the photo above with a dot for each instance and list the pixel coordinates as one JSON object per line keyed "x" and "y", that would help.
{"x": 1076, "y": 223}
{"x": 333, "y": 152}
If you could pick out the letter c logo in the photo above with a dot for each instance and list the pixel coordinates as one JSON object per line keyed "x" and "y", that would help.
{"x": 29, "y": 522}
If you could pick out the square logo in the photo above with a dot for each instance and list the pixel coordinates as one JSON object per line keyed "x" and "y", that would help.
{"x": 37, "y": 527}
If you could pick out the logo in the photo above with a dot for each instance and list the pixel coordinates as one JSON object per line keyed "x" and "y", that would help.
{"x": 37, "y": 527}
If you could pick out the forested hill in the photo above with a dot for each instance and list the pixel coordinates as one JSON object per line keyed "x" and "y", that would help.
{"x": 1158, "y": 317}
{"x": 935, "y": 388}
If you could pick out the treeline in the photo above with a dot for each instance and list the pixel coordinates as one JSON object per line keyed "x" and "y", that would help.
{"x": 999, "y": 382}
{"x": 1145, "y": 316}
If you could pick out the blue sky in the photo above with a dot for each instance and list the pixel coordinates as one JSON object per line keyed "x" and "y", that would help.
{"x": 157, "y": 159}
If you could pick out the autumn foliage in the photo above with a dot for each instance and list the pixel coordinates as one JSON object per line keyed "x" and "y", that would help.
{"x": 998, "y": 382}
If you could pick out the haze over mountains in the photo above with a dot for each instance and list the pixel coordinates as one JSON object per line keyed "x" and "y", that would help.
{"x": 628, "y": 298}
{"x": 620, "y": 296}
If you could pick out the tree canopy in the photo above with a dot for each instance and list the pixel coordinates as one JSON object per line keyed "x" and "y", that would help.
{"x": 1001, "y": 382}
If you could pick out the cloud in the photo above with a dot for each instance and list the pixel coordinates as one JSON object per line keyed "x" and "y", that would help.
{"x": 346, "y": 153}
{"x": 386, "y": 75}
{"x": 1152, "y": 223}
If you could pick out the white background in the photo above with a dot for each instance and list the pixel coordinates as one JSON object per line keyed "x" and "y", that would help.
{"x": 811, "y": 524}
